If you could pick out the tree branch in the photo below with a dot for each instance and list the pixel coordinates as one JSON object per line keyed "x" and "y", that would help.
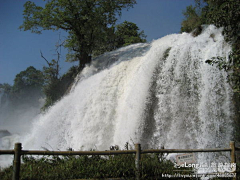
{"x": 44, "y": 58}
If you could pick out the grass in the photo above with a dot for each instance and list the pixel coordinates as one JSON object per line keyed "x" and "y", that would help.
{"x": 91, "y": 167}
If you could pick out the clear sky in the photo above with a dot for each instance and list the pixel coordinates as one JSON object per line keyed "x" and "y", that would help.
{"x": 21, "y": 49}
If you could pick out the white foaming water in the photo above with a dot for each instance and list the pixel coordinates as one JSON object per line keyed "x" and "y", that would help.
{"x": 140, "y": 93}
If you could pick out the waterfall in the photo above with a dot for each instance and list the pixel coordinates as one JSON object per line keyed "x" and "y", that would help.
{"x": 158, "y": 94}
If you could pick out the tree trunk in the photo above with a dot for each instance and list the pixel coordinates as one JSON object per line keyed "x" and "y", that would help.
{"x": 84, "y": 59}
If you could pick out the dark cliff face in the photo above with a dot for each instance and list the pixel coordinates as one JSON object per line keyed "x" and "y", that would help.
{"x": 236, "y": 100}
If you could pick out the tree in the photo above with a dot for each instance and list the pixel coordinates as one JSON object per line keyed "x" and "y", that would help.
{"x": 194, "y": 16}
{"x": 28, "y": 79}
{"x": 56, "y": 86}
{"x": 128, "y": 33}
{"x": 120, "y": 35}
{"x": 192, "y": 20}
{"x": 225, "y": 13}
{"x": 51, "y": 88}
{"x": 28, "y": 85}
{"x": 7, "y": 88}
{"x": 86, "y": 21}
{"x": 221, "y": 13}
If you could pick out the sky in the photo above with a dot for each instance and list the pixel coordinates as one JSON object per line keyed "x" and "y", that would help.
{"x": 21, "y": 49}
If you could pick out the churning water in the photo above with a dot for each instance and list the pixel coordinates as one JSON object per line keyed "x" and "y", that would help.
{"x": 158, "y": 94}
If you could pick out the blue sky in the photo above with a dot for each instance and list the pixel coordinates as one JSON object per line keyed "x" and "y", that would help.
{"x": 21, "y": 49}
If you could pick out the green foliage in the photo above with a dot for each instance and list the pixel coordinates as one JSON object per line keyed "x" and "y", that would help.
{"x": 91, "y": 31}
{"x": 30, "y": 78}
{"x": 7, "y": 88}
{"x": 86, "y": 167}
{"x": 128, "y": 33}
{"x": 68, "y": 78}
{"x": 55, "y": 87}
{"x": 221, "y": 13}
{"x": 220, "y": 62}
{"x": 27, "y": 86}
{"x": 195, "y": 16}
{"x": 235, "y": 78}
{"x": 233, "y": 68}
{"x": 120, "y": 35}
{"x": 192, "y": 19}
{"x": 51, "y": 87}
{"x": 225, "y": 13}
{"x": 87, "y": 21}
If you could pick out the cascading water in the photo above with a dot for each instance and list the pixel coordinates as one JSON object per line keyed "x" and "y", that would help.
{"x": 190, "y": 101}
{"x": 157, "y": 94}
